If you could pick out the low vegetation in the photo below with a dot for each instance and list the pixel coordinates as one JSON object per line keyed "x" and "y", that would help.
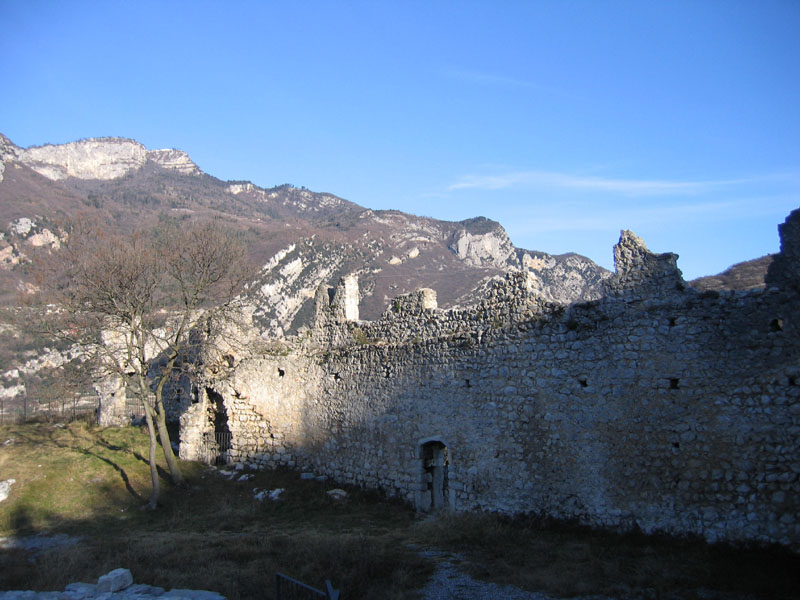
{"x": 91, "y": 483}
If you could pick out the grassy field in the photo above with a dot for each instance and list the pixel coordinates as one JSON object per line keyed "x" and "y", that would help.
{"x": 91, "y": 482}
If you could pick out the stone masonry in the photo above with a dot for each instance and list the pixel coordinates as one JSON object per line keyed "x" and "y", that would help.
{"x": 658, "y": 406}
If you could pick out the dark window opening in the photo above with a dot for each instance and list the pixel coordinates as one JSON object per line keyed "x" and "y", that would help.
{"x": 776, "y": 325}
{"x": 281, "y": 372}
{"x": 676, "y": 444}
{"x": 583, "y": 382}
{"x": 674, "y": 383}
{"x": 672, "y": 321}
{"x": 467, "y": 382}
{"x": 792, "y": 380}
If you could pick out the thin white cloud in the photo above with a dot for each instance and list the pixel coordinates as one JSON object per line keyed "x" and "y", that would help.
{"x": 566, "y": 181}
{"x": 606, "y": 217}
{"x": 495, "y": 80}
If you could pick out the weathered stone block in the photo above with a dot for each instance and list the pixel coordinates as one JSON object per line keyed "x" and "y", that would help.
{"x": 114, "y": 581}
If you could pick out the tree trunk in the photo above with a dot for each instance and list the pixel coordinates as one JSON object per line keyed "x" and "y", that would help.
{"x": 166, "y": 446}
{"x": 161, "y": 420}
{"x": 153, "y": 466}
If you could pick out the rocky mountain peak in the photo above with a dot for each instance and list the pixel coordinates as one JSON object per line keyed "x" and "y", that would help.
{"x": 174, "y": 159}
{"x": 8, "y": 151}
{"x": 7, "y": 148}
{"x": 482, "y": 242}
{"x": 93, "y": 158}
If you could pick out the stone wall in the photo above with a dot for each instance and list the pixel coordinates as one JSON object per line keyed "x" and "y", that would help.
{"x": 658, "y": 406}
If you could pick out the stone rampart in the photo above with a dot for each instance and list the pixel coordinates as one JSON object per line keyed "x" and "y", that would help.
{"x": 658, "y": 406}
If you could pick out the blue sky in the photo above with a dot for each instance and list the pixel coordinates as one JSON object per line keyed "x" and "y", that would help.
{"x": 566, "y": 121}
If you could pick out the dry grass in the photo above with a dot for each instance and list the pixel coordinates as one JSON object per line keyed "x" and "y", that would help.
{"x": 568, "y": 560}
{"x": 213, "y": 535}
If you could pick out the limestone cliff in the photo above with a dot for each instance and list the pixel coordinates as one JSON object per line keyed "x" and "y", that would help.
{"x": 97, "y": 158}
{"x": 8, "y": 151}
{"x": 481, "y": 242}
{"x": 177, "y": 160}
{"x": 93, "y": 158}
{"x": 22, "y": 235}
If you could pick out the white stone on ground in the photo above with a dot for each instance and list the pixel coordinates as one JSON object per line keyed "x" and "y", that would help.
{"x": 116, "y": 585}
{"x": 5, "y": 488}
{"x": 337, "y": 494}
{"x": 114, "y": 581}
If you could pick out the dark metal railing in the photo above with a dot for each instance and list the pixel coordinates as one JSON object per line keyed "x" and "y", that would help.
{"x": 134, "y": 407}
{"x": 217, "y": 447}
{"x": 13, "y": 413}
{"x": 224, "y": 440}
{"x": 287, "y": 588}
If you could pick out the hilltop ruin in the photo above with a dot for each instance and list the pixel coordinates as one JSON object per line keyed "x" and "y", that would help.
{"x": 657, "y": 407}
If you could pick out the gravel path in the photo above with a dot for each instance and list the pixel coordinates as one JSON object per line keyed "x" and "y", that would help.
{"x": 38, "y": 543}
{"x": 451, "y": 583}
{"x": 448, "y": 583}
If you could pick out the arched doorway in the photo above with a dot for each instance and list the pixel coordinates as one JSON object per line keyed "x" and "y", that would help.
{"x": 434, "y": 459}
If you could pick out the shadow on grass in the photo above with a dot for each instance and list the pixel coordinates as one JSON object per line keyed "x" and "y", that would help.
{"x": 47, "y": 435}
{"x": 214, "y": 535}
{"x": 237, "y": 553}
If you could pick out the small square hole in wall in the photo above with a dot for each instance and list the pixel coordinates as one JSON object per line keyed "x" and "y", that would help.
{"x": 776, "y": 325}
{"x": 281, "y": 372}
{"x": 582, "y": 381}
{"x": 467, "y": 383}
{"x": 792, "y": 380}
{"x": 674, "y": 383}
{"x": 672, "y": 321}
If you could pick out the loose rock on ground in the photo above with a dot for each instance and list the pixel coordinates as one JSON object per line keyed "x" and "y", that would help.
{"x": 115, "y": 585}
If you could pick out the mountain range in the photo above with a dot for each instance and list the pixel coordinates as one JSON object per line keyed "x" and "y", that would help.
{"x": 299, "y": 238}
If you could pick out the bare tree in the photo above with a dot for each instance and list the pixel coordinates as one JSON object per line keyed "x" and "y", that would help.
{"x": 139, "y": 306}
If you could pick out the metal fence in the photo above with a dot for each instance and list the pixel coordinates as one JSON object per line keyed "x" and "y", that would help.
{"x": 287, "y": 588}
{"x": 217, "y": 447}
{"x": 51, "y": 412}
{"x": 134, "y": 407}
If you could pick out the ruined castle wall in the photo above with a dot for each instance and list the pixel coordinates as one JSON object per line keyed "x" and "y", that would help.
{"x": 680, "y": 415}
{"x": 657, "y": 406}
{"x": 614, "y": 414}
